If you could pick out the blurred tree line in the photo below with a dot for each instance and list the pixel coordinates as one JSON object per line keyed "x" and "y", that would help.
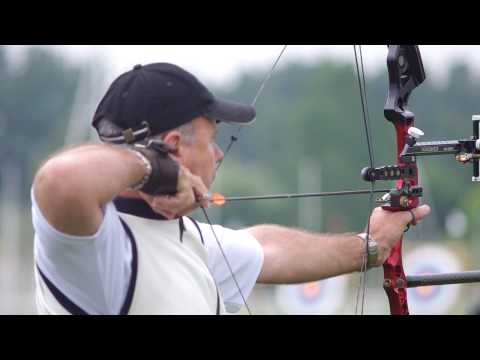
{"x": 35, "y": 104}
{"x": 307, "y": 114}
{"x": 314, "y": 113}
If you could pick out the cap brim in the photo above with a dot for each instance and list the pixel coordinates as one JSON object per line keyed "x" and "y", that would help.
{"x": 231, "y": 112}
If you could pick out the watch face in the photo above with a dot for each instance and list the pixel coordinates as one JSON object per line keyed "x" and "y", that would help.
{"x": 363, "y": 236}
{"x": 372, "y": 254}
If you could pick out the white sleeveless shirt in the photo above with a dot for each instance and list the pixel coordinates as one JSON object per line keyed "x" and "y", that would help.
{"x": 174, "y": 269}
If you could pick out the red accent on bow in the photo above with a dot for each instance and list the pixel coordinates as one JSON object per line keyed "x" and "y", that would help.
{"x": 405, "y": 70}
{"x": 394, "y": 276}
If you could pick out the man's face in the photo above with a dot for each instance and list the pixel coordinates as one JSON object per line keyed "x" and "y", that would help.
{"x": 200, "y": 153}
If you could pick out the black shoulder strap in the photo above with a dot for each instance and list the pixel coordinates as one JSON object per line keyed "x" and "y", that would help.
{"x": 134, "y": 270}
{"x": 73, "y": 308}
{"x": 182, "y": 229}
{"x": 198, "y": 228}
{"x": 69, "y": 305}
{"x": 218, "y": 301}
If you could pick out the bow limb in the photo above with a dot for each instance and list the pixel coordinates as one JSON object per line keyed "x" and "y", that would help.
{"x": 405, "y": 70}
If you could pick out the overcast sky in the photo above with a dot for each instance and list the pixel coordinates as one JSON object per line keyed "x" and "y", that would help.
{"x": 220, "y": 64}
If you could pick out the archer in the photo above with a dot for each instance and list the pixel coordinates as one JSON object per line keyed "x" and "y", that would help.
{"x": 112, "y": 235}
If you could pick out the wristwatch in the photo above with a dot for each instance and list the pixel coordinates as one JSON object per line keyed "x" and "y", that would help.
{"x": 372, "y": 250}
{"x": 148, "y": 169}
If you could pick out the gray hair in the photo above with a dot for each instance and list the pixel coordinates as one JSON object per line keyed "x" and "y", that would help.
{"x": 188, "y": 132}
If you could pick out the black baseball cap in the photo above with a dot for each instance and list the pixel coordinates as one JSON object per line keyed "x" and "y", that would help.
{"x": 153, "y": 98}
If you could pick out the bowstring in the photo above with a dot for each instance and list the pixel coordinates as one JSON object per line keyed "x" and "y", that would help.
{"x": 362, "y": 287}
{"x": 233, "y": 139}
{"x": 226, "y": 261}
{"x": 372, "y": 162}
{"x": 366, "y": 121}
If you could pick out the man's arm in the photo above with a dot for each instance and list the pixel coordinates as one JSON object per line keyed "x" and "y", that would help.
{"x": 71, "y": 187}
{"x": 296, "y": 256}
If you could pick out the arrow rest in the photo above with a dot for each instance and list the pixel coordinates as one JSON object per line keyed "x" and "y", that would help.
{"x": 401, "y": 199}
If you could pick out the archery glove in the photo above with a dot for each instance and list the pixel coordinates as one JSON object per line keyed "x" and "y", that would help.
{"x": 164, "y": 170}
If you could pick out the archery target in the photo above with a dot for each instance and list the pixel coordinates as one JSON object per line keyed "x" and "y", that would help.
{"x": 319, "y": 297}
{"x": 432, "y": 259}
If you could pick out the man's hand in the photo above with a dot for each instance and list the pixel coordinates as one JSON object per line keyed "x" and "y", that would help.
{"x": 163, "y": 176}
{"x": 386, "y": 227}
{"x": 188, "y": 197}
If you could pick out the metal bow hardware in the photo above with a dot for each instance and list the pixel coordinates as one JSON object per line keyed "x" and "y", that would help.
{"x": 405, "y": 72}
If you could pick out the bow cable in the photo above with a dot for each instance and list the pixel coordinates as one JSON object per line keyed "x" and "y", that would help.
{"x": 226, "y": 261}
{"x": 234, "y": 138}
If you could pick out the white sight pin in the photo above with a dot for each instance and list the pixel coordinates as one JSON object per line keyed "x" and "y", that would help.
{"x": 476, "y": 131}
{"x": 477, "y": 143}
{"x": 415, "y": 132}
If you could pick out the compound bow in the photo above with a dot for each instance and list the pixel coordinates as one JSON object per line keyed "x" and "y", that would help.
{"x": 406, "y": 72}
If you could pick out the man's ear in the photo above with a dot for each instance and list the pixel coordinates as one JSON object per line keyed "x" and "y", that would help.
{"x": 173, "y": 138}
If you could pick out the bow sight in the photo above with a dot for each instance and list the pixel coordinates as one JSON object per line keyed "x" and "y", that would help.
{"x": 405, "y": 73}
{"x": 465, "y": 151}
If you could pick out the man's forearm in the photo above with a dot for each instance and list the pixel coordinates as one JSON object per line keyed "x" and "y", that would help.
{"x": 295, "y": 256}
{"x": 96, "y": 171}
{"x": 76, "y": 183}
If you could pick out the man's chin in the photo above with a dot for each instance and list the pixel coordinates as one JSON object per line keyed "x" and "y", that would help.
{"x": 212, "y": 180}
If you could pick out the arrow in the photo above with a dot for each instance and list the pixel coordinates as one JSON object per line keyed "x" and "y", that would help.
{"x": 219, "y": 199}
